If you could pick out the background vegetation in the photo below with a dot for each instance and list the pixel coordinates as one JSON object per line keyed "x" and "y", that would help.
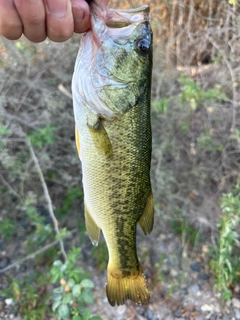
{"x": 195, "y": 163}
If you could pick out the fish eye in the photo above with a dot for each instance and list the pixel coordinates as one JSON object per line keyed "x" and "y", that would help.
{"x": 142, "y": 45}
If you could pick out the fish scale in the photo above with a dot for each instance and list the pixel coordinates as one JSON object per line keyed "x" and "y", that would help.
{"x": 115, "y": 145}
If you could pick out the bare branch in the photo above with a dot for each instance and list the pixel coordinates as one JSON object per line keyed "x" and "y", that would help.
{"x": 64, "y": 91}
{"x": 20, "y": 120}
{"x": 32, "y": 255}
{"x": 47, "y": 196}
{"x": 10, "y": 189}
{"x": 234, "y": 81}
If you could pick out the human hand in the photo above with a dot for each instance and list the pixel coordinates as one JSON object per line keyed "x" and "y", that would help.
{"x": 38, "y": 19}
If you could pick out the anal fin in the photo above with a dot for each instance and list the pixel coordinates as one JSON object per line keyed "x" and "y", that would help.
{"x": 92, "y": 229}
{"x": 147, "y": 218}
{"x": 100, "y": 138}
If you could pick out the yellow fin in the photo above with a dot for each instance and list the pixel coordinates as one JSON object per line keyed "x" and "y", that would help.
{"x": 100, "y": 138}
{"x": 92, "y": 229}
{"x": 119, "y": 288}
{"x": 147, "y": 218}
{"x": 77, "y": 139}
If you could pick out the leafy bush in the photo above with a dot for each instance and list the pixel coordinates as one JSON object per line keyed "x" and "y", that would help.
{"x": 30, "y": 296}
{"x": 70, "y": 298}
{"x": 42, "y": 136}
{"x": 7, "y": 228}
{"x": 225, "y": 260}
{"x": 192, "y": 93}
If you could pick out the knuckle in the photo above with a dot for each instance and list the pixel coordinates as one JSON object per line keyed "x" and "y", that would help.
{"x": 35, "y": 20}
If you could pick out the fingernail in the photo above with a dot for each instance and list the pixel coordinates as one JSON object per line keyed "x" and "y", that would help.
{"x": 57, "y": 8}
{"x": 78, "y": 13}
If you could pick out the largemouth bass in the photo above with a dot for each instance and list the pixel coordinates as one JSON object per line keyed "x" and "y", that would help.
{"x": 111, "y": 96}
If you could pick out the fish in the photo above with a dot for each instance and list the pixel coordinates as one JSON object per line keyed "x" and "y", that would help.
{"x": 111, "y": 89}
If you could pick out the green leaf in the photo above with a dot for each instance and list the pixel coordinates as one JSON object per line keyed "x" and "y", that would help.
{"x": 76, "y": 318}
{"x": 71, "y": 282}
{"x": 161, "y": 105}
{"x": 95, "y": 318}
{"x": 42, "y": 136}
{"x": 57, "y": 263}
{"x": 56, "y": 304}
{"x": 87, "y": 296}
{"x": 63, "y": 233}
{"x": 56, "y": 274}
{"x": 63, "y": 311}
{"x": 87, "y": 283}
{"x": 76, "y": 274}
{"x": 67, "y": 298}
{"x": 86, "y": 314}
{"x": 76, "y": 290}
{"x": 4, "y": 131}
{"x": 7, "y": 227}
{"x": 73, "y": 254}
{"x": 58, "y": 290}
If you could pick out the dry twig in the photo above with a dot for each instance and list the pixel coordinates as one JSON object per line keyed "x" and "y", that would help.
{"x": 31, "y": 255}
{"x": 47, "y": 196}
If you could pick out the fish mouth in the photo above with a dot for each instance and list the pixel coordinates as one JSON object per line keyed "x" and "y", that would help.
{"x": 124, "y": 18}
{"x": 115, "y": 22}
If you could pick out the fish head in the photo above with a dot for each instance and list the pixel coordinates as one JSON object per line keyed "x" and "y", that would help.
{"x": 117, "y": 58}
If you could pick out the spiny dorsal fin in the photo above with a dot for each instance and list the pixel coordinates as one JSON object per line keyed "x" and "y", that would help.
{"x": 147, "y": 218}
{"x": 92, "y": 229}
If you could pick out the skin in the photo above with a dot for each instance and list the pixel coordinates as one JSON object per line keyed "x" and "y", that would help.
{"x": 39, "y": 19}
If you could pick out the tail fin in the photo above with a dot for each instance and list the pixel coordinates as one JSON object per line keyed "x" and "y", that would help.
{"x": 119, "y": 288}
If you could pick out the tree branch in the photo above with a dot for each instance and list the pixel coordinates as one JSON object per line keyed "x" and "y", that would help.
{"x": 31, "y": 255}
{"x": 47, "y": 196}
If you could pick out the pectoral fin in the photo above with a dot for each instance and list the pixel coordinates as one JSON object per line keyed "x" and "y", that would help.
{"x": 92, "y": 229}
{"x": 147, "y": 218}
{"x": 100, "y": 138}
{"x": 77, "y": 139}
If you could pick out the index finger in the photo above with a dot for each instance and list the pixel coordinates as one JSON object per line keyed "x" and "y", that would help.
{"x": 59, "y": 22}
{"x": 80, "y": 10}
{"x": 32, "y": 14}
{"x": 10, "y": 23}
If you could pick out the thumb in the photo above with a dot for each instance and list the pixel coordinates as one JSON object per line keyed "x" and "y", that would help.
{"x": 80, "y": 11}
